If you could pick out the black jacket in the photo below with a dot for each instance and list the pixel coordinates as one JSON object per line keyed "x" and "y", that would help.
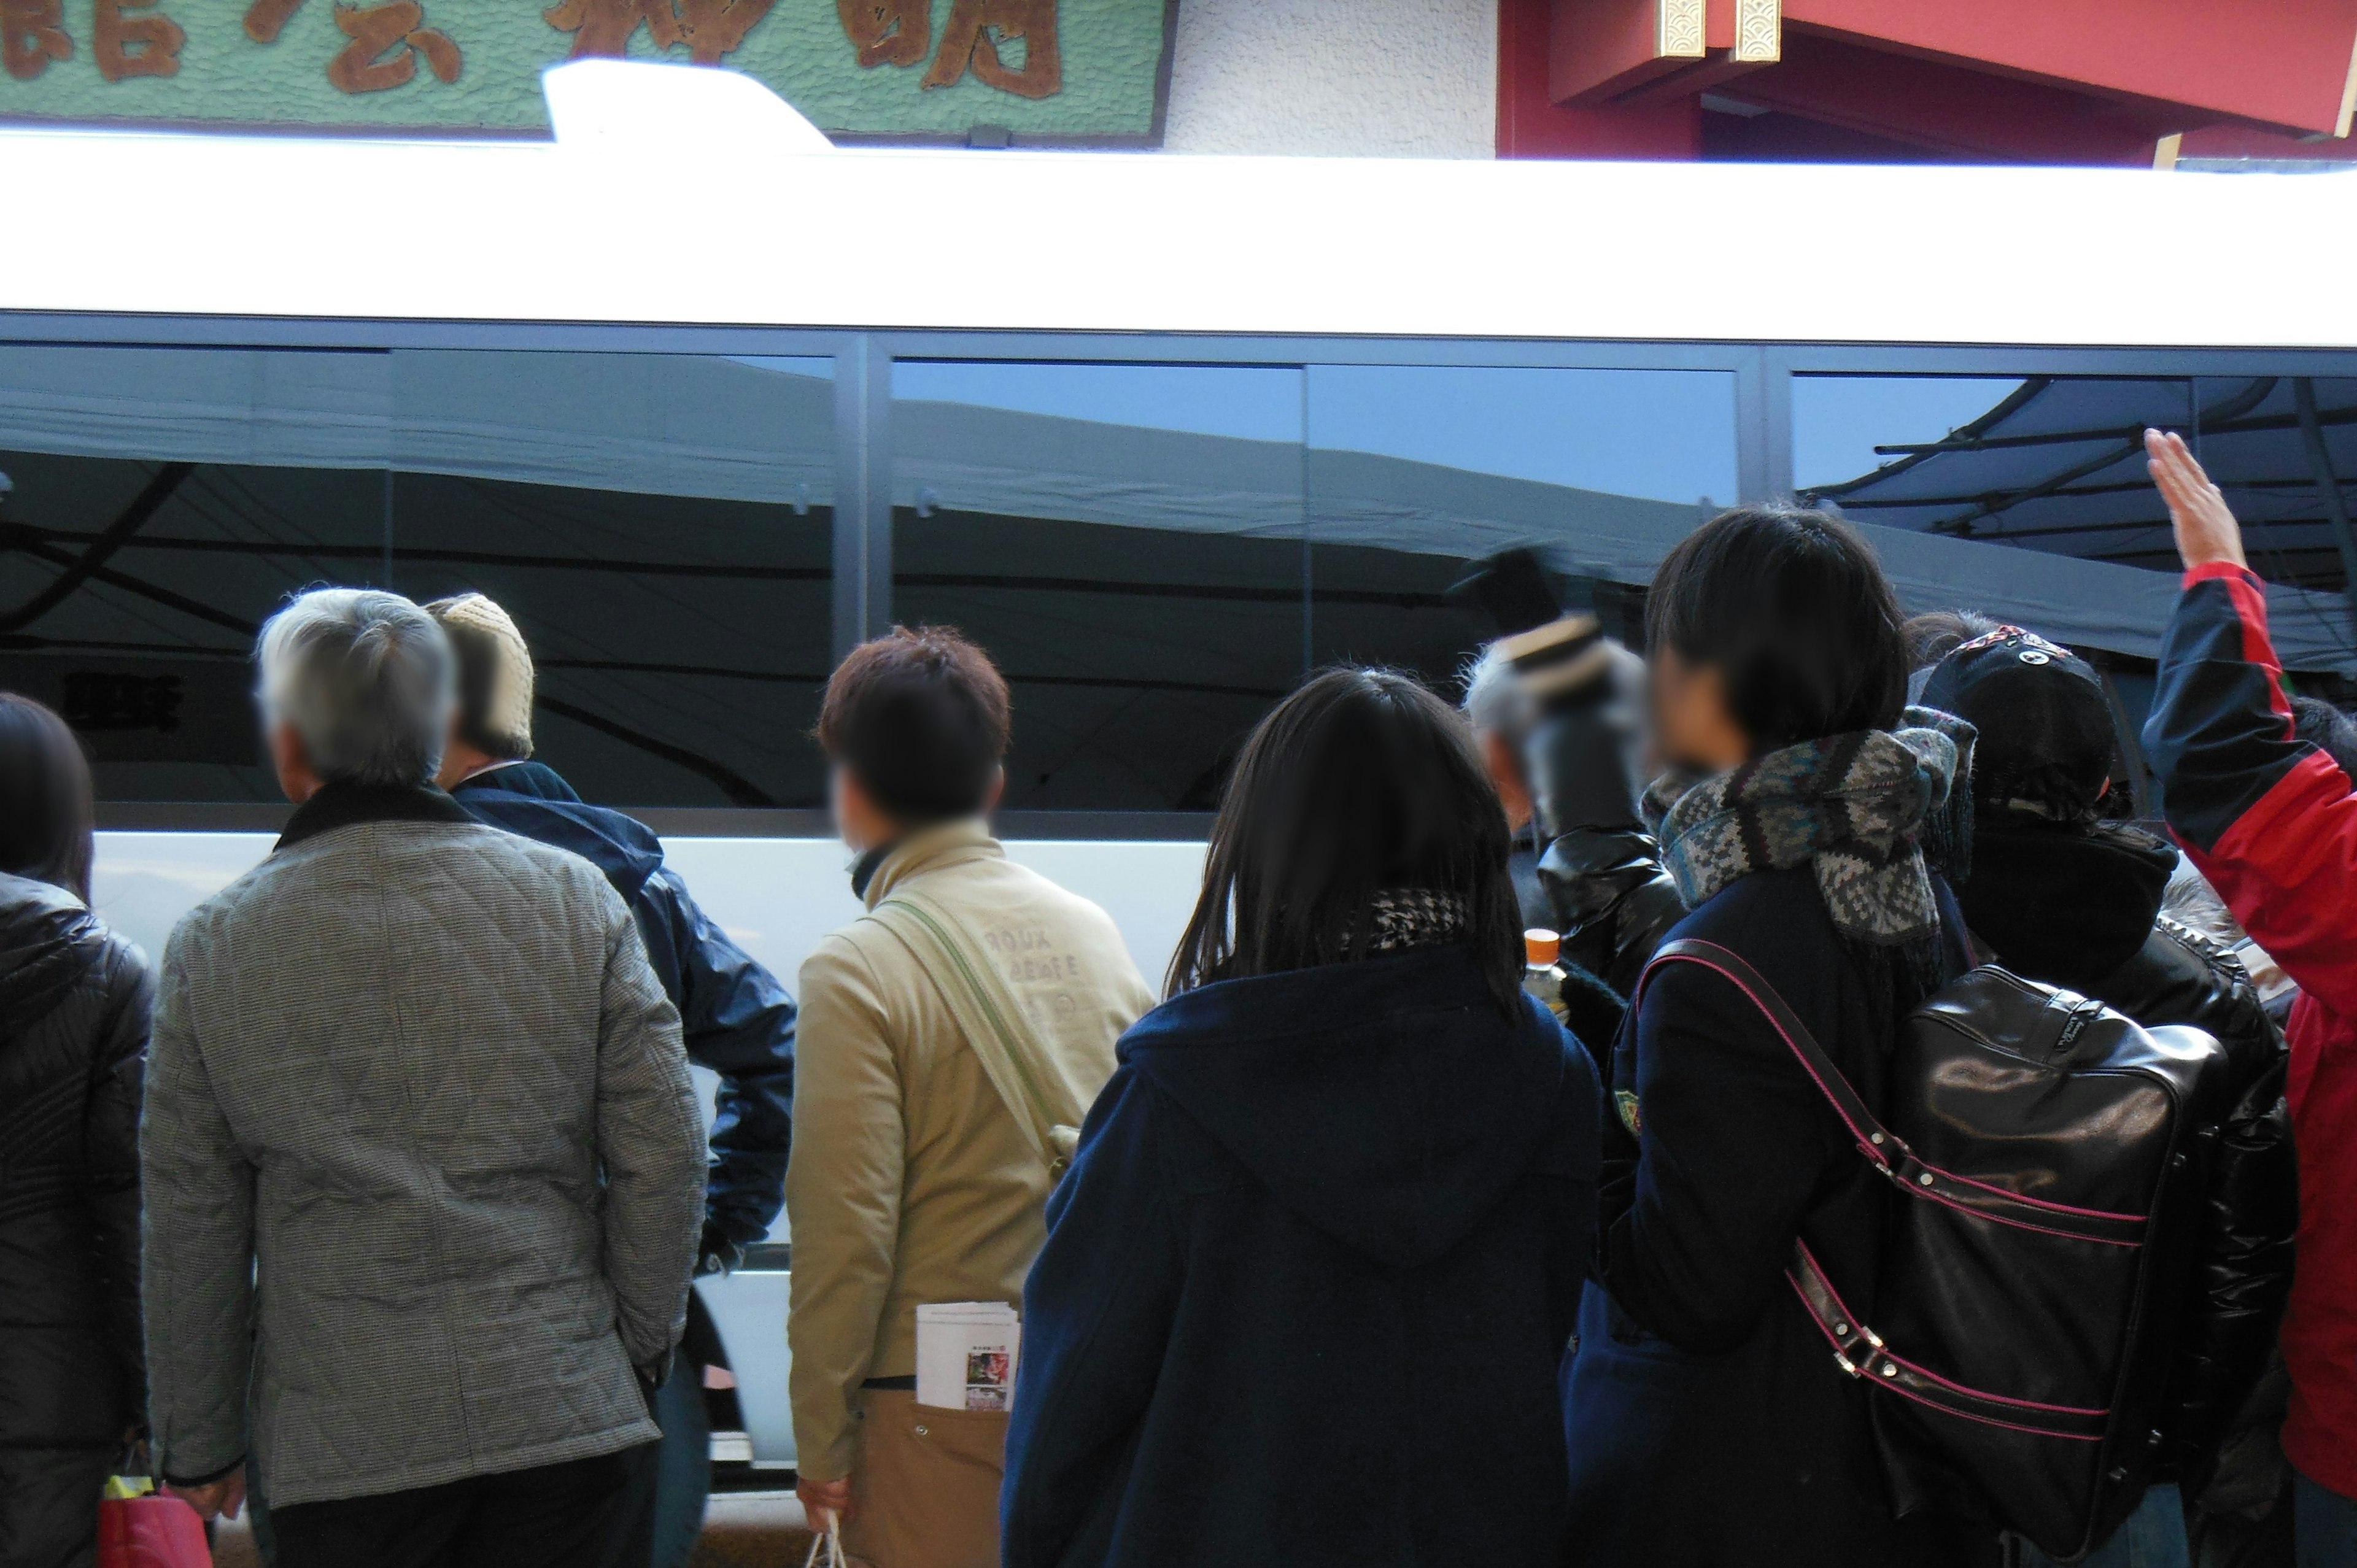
{"x": 1307, "y": 1281}
{"x": 1707, "y": 1423}
{"x": 736, "y": 1017}
{"x": 1612, "y": 900}
{"x": 2080, "y": 908}
{"x": 74, "y": 1002}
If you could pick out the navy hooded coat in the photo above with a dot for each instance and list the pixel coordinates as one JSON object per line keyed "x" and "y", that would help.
{"x": 1308, "y": 1280}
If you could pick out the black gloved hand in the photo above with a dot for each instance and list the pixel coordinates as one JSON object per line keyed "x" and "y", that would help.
{"x": 716, "y": 1253}
{"x": 1581, "y": 763}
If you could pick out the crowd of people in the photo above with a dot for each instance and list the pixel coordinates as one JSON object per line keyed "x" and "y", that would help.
{"x": 374, "y": 1205}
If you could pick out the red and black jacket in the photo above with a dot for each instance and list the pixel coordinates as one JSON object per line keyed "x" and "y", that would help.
{"x": 2272, "y": 823}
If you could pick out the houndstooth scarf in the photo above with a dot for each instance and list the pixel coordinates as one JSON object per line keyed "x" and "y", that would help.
{"x": 1411, "y": 918}
{"x": 1859, "y": 807}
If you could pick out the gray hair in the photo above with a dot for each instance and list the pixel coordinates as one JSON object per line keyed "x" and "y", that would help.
{"x": 1496, "y": 702}
{"x": 363, "y": 678}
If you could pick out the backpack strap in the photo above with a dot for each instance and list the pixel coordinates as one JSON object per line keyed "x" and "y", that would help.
{"x": 1880, "y": 1145}
{"x": 1884, "y": 1149}
{"x": 992, "y": 1019}
{"x": 1859, "y": 1351}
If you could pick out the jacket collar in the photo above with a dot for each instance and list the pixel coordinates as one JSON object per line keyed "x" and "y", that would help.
{"x": 930, "y": 849}
{"x": 342, "y": 805}
{"x": 522, "y": 777}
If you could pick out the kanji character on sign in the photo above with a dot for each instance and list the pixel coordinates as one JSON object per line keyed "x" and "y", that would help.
{"x": 978, "y": 27}
{"x": 263, "y": 18}
{"x": 714, "y": 27}
{"x": 887, "y": 32}
{"x": 32, "y": 34}
{"x": 386, "y": 41}
{"x": 710, "y": 28}
{"x": 126, "y": 45}
{"x": 603, "y": 27}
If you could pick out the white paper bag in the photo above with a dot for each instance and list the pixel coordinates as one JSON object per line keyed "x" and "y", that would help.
{"x": 965, "y": 1355}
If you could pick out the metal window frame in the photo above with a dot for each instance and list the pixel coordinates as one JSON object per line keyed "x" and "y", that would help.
{"x": 862, "y": 544}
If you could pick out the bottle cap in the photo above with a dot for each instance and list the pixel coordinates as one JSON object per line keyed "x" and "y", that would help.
{"x": 1540, "y": 947}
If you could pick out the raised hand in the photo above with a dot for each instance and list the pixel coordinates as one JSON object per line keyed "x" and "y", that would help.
{"x": 2206, "y": 529}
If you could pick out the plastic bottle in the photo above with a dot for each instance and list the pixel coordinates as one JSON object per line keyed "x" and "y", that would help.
{"x": 1542, "y": 975}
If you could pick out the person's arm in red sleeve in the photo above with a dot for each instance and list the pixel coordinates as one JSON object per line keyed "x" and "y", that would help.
{"x": 2269, "y": 819}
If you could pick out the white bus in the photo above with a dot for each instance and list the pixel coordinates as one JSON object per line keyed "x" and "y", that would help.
{"x": 704, "y": 402}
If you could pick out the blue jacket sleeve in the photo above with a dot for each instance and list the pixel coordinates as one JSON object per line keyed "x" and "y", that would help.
{"x": 1097, "y": 1312}
{"x": 740, "y": 1022}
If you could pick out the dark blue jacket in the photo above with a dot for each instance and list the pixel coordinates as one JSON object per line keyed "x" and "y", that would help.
{"x": 1307, "y": 1281}
{"x": 1708, "y": 1424}
{"x": 738, "y": 1020}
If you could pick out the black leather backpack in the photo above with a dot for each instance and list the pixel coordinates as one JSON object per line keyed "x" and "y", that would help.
{"x": 2054, "y": 1156}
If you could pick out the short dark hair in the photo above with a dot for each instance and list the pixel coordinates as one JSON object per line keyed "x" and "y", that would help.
{"x": 2327, "y": 728}
{"x": 1792, "y": 609}
{"x": 920, "y": 718}
{"x": 46, "y": 813}
{"x": 1359, "y": 782}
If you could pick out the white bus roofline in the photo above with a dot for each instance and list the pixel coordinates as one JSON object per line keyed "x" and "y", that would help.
{"x": 690, "y": 203}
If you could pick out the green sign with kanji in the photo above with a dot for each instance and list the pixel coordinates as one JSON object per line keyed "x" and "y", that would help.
{"x": 1092, "y": 72}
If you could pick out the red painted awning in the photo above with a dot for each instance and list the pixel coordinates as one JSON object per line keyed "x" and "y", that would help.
{"x": 2034, "y": 81}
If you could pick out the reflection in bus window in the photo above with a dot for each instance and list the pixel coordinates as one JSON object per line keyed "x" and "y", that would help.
{"x": 1125, "y": 540}
{"x": 1413, "y": 470}
{"x": 658, "y": 524}
{"x": 2056, "y": 463}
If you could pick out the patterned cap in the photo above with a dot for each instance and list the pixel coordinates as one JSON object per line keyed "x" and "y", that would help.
{"x": 2045, "y": 723}
{"x": 494, "y": 674}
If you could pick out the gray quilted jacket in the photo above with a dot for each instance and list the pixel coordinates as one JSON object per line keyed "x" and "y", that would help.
{"x": 421, "y": 1157}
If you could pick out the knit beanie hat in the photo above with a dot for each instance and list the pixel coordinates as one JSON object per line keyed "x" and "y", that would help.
{"x": 494, "y": 675}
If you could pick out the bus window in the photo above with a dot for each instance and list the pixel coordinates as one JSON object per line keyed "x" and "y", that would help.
{"x": 1125, "y": 540}
{"x": 161, "y": 503}
{"x": 1414, "y": 469}
{"x": 2056, "y": 463}
{"x": 659, "y": 525}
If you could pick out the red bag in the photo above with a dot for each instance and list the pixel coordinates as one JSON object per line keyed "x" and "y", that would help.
{"x": 153, "y": 1531}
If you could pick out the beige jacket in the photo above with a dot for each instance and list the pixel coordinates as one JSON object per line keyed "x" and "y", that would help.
{"x": 910, "y": 1181}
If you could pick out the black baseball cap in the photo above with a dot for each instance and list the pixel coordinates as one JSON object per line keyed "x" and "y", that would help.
{"x": 2045, "y": 725}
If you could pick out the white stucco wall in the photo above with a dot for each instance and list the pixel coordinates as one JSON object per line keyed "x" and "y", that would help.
{"x": 1360, "y": 78}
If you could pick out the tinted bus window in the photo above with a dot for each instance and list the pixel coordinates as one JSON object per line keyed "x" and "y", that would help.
{"x": 657, "y": 525}
{"x": 1415, "y": 470}
{"x": 660, "y": 526}
{"x": 2056, "y": 463}
{"x": 1126, "y": 541}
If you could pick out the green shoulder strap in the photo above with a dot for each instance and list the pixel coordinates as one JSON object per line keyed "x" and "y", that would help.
{"x": 994, "y": 1022}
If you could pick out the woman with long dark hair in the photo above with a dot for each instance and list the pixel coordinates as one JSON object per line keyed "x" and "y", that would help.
{"x": 1310, "y": 1275}
{"x": 73, "y": 1038}
{"x": 1707, "y": 1422}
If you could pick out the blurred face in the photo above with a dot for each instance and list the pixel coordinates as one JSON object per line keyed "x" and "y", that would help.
{"x": 1498, "y": 757}
{"x": 856, "y": 820}
{"x": 292, "y": 765}
{"x": 863, "y": 824}
{"x": 1692, "y": 727}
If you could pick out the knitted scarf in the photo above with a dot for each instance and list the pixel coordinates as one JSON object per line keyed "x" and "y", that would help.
{"x": 1859, "y": 808}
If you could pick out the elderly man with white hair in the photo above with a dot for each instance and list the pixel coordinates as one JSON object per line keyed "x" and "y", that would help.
{"x": 425, "y": 1170}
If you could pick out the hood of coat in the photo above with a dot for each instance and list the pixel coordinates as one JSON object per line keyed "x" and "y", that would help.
{"x": 48, "y": 942}
{"x": 532, "y": 800}
{"x": 1388, "y": 1104}
{"x": 2062, "y": 903}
